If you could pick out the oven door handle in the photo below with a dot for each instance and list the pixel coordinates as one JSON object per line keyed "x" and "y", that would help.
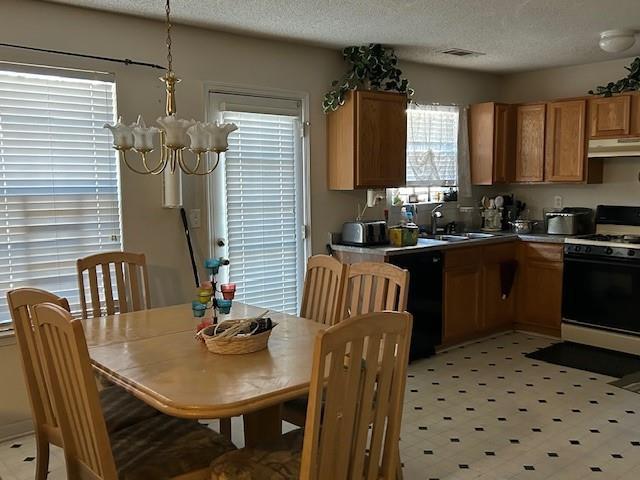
{"x": 611, "y": 261}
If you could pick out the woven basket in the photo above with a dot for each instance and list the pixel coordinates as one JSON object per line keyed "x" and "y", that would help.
{"x": 237, "y": 345}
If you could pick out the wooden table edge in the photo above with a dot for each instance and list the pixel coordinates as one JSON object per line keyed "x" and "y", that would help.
{"x": 190, "y": 412}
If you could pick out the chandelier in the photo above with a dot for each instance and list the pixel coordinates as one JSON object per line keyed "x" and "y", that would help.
{"x": 176, "y": 134}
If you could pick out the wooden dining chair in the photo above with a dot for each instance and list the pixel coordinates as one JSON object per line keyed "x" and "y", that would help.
{"x": 355, "y": 408}
{"x": 367, "y": 287}
{"x": 121, "y": 409}
{"x": 374, "y": 287}
{"x": 161, "y": 447}
{"x": 132, "y": 283}
{"x": 323, "y": 287}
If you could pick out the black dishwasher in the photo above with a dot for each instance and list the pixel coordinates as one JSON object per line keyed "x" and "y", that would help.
{"x": 425, "y": 300}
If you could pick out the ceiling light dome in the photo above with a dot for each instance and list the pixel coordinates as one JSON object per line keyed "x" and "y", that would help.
{"x": 614, "y": 41}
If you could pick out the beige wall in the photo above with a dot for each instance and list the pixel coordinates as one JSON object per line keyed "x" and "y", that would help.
{"x": 621, "y": 185}
{"x": 200, "y": 56}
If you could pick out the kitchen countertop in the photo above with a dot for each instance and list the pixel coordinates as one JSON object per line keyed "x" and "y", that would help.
{"x": 429, "y": 244}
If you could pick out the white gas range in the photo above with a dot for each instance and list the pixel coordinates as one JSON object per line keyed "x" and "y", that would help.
{"x": 601, "y": 287}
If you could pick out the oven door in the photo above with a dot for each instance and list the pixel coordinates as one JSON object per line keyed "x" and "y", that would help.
{"x": 602, "y": 292}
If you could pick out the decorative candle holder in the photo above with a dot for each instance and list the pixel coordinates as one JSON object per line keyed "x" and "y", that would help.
{"x": 228, "y": 290}
{"x": 206, "y": 294}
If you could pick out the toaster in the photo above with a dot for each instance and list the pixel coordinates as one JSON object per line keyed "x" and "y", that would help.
{"x": 365, "y": 233}
{"x": 569, "y": 221}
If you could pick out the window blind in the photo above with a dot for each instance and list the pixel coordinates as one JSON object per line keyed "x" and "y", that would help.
{"x": 58, "y": 180}
{"x": 261, "y": 185}
{"x": 432, "y": 145}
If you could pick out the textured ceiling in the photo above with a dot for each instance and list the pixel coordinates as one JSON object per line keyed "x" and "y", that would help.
{"x": 515, "y": 35}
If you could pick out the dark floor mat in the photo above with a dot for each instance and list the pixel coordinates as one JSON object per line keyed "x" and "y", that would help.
{"x": 629, "y": 382}
{"x": 591, "y": 359}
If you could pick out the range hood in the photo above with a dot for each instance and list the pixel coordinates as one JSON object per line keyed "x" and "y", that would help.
{"x": 614, "y": 147}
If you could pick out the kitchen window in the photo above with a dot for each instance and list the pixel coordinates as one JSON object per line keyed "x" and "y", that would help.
{"x": 58, "y": 178}
{"x": 432, "y": 152}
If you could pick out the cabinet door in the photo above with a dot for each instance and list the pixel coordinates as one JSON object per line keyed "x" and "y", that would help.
{"x": 634, "y": 127}
{"x": 609, "y": 116}
{"x": 481, "y": 144}
{"x": 530, "y": 127}
{"x": 565, "y": 143}
{"x": 381, "y": 143}
{"x": 462, "y": 305}
{"x": 499, "y": 312}
{"x": 540, "y": 287}
{"x": 504, "y": 144}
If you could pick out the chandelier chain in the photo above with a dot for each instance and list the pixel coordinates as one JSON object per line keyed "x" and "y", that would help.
{"x": 169, "y": 55}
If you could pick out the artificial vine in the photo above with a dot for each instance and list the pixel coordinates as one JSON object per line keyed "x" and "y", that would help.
{"x": 372, "y": 67}
{"x": 630, "y": 83}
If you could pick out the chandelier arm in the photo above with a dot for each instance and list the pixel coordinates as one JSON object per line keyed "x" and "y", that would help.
{"x": 207, "y": 172}
{"x": 188, "y": 170}
{"x": 159, "y": 168}
{"x": 123, "y": 156}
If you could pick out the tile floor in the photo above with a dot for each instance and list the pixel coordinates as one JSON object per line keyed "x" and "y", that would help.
{"x": 485, "y": 411}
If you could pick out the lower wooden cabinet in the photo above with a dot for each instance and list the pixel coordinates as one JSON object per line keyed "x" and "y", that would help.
{"x": 540, "y": 288}
{"x": 462, "y": 302}
{"x": 473, "y": 294}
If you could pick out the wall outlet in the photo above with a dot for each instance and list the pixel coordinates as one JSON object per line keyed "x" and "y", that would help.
{"x": 557, "y": 201}
{"x": 194, "y": 218}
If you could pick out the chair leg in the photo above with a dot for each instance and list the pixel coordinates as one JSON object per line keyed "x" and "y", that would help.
{"x": 399, "y": 466}
{"x": 42, "y": 457}
{"x": 225, "y": 428}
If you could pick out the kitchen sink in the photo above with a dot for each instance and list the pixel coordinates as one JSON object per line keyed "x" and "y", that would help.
{"x": 446, "y": 238}
{"x": 476, "y": 236}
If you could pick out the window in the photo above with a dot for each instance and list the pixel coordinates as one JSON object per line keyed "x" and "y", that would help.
{"x": 432, "y": 149}
{"x": 58, "y": 180}
{"x": 259, "y": 207}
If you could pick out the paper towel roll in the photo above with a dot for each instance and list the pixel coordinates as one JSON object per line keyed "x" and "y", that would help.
{"x": 171, "y": 188}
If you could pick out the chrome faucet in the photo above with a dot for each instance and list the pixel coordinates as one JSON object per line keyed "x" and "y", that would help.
{"x": 435, "y": 215}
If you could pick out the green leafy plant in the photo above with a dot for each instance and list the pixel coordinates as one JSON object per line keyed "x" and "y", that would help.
{"x": 372, "y": 67}
{"x": 630, "y": 83}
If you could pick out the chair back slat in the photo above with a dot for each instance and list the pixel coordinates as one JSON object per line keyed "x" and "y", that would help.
{"x": 374, "y": 287}
{"x": 63, "y": 350}
{"x": 131, "y": 282}
{"x": 21, "y": 303}
{"x": 323, "y": 286}
{"x": 357, "y": 387}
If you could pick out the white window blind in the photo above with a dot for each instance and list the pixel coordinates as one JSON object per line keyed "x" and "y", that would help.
{"x": 58, "y": 180}
{"x": 262, "y": 206}
{"x": 432, "y": 145}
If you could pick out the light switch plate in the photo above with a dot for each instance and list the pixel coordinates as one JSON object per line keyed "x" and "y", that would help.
{"x": 194, "y": 218}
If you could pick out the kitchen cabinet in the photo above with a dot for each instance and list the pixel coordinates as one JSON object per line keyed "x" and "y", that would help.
{"x": 499, "y": 312}
{"x": 491, "y": 143}
{"x": 565, "y": 147}
{"x": 462, "y": 306}
{"x": 540, "y": 287}
{"x": 367, "y": 141}
{"x": 473, "y": 302}
{"x": 530, "y": 142}
{"x": 634, "y": 124}
{"x": 609, "y": 116}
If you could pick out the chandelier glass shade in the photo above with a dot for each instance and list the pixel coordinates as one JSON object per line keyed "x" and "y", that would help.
{"x": 174, "y": 135}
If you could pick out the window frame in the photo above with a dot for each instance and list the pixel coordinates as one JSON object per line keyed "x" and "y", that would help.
{"x": 6, "y": 327}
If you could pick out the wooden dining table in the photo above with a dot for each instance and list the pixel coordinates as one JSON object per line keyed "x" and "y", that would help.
{"x": 155, "y": 356}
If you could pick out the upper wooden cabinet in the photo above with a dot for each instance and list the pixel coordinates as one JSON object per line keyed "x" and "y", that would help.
{"x": 565, "y": 157}
{"x": 530, "y": 142}
{"x": 367, "y": 141}
{"x": 491, "y": 143}
{"x": 609, "y": 116}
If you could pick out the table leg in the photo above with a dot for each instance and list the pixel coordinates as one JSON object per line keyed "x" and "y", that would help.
{"x": 262, "y": 427}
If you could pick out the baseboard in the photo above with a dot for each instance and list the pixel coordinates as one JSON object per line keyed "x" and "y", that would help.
{"x": 530, "y": 327}
{"x": 16, "y": 429}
